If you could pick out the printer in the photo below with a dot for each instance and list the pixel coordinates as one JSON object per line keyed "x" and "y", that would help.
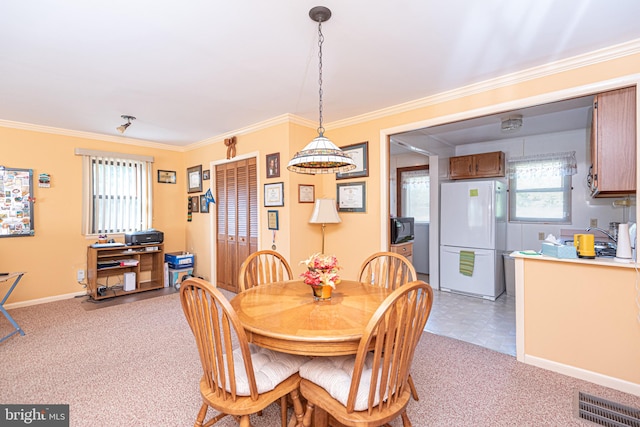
{"x": 144, "y": 237}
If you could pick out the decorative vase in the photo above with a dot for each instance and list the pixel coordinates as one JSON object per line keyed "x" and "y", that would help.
{"x": 322, "y": 293}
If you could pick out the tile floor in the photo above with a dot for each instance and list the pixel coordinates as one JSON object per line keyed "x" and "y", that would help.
{"x": 490, "y": 324}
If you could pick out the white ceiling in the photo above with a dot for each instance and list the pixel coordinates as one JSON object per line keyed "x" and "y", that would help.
{"x": 199, "y": 69}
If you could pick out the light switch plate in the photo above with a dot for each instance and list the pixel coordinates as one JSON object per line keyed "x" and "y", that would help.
{"x": 593, "y": 222}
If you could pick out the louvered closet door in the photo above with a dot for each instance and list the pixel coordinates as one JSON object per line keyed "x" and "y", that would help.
{"x": 237, "y": 225}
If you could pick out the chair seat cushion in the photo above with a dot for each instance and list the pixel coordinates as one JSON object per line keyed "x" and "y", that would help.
{"x": 334, "y": 374}
{"x": 270, "y": 369}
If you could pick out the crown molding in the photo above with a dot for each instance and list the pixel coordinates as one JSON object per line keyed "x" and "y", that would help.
{"x": 579, "y": 61}
{"x": 278, "y": 120}
{"x": 88, "y": 135}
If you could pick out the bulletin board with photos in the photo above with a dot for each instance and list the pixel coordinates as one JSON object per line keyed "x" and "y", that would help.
{"x": 16, "y": 207}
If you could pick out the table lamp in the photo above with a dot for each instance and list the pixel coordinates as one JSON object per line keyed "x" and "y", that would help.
{"x": 324, "y": 212}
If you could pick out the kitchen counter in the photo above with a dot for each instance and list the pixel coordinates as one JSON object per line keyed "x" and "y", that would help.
{"x": 604, "y": 261}
{"x": 579, "y": 317}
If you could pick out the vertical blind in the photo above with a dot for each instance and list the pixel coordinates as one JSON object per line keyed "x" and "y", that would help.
{"x": 118, "y": 193}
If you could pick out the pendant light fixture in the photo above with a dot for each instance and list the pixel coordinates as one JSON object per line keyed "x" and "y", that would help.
{"x": 320, "y": 155}
{"x": 124, "y": 127}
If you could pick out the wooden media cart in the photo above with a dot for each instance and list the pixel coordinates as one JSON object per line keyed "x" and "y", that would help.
{"x": 106, "y": 268}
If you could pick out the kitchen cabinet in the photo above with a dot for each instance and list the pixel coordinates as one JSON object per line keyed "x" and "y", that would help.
{"x": 613, "y": 144}
{"x": 483, "y": 165}
{"x": 404, "y": 249}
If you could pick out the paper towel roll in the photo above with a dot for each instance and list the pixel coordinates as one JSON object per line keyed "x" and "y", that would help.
{"x": 624, "y": 243}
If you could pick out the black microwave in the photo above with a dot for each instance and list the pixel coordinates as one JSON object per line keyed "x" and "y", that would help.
{"x": 401, "y": 230}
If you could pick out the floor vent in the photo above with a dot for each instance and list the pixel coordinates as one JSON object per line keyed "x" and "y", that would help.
{"x": 605, "y": 412}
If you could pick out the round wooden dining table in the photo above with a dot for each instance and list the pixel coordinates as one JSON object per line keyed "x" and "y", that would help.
{"x": 284, "y": 316}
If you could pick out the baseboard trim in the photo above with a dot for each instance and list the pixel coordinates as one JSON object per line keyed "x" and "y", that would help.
{"x": 583, "y": 374}
{"x": 44, "y": 300}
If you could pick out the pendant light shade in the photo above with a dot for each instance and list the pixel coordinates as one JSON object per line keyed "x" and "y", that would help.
{"x": 320, "y": 155}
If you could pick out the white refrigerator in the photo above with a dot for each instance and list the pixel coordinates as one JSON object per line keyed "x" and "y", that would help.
{"x": 473, "y": 228}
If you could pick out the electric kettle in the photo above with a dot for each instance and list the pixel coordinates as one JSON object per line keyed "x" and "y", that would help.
{"x": 585, "y": 245}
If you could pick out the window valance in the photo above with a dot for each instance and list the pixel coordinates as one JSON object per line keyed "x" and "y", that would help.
{"x": 543, "y": 165}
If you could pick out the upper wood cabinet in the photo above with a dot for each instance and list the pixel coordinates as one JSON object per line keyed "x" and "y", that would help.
{"x": 613, "y": 144}
{"x": 484, "y": 165}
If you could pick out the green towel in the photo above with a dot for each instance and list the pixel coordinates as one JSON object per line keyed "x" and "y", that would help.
{"x": 467, "y": 260}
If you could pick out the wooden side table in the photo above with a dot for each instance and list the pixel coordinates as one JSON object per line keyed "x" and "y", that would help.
{"x": 16, "y": 278}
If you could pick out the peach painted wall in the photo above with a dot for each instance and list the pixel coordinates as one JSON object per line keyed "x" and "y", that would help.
{"x": 51, "y": 257}
{"x": 583, "y": 316}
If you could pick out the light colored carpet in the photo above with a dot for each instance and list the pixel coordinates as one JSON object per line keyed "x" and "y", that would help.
{"x": 136, "y": 364}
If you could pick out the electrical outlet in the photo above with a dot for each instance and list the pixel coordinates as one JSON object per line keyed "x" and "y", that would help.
{"x": 540, "y": 236}
{"x": 593, "y": 222}
{"x": 80, "y": 275}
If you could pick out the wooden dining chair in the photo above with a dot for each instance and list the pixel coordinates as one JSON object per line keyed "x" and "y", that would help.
{"x": 389, "y": 270}
{"x": 370, "y": 388}
{"x": 263, "y": 267}
{"x": 240, "y": 381}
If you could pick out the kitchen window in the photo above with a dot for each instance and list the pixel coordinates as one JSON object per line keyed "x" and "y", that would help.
{"x": 413, "y": 192}
{"x": 117, "y": 195}
{"x": 540, "y": 188}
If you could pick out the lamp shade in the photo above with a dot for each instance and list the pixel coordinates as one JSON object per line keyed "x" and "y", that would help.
{"x": 321, "y": 156}
{"x": 325, "y": 212}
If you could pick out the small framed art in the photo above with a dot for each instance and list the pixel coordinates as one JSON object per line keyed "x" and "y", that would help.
{"x": 352, "y": 197}
{"x": 273, "y": 165}
{"x": 195, "y": 204}
{"x": 306, "y": 193}
{"x": 272, "y": 220}
{"x": 194, "y": 179}
{"x": 274, "y": 194}
{"x": 205, "y": 175}
{"x": 360, "y": 154}
{"x": 166, "y": 177}
{"x": 204, "y": 205}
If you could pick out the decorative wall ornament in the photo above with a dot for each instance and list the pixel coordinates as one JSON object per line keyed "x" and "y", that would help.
{"x": 231, "y": 147}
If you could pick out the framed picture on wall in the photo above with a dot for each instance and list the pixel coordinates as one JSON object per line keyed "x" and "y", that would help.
{"x": 272, "y": 220}
{"x": 195, "y": 204}
{"x": 360, "y": 155}
{"x": 274, "y": 194}
{"x": 166, "y": 177}
{"x": 204, "y": 206}
{"x": 273, "y": 165}
{"x": 194, "y": 179}
{"x": 352, "y": 197}
{"x": 306, "y": 193}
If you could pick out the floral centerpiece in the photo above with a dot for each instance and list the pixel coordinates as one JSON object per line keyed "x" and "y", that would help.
{"x": 321, "y": 274}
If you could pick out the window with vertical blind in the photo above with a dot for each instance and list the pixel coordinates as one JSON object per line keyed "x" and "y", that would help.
{"x": 117, "y": 192}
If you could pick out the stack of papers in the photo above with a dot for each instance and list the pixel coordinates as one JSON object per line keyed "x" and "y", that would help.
{"x": 128, "y": 262}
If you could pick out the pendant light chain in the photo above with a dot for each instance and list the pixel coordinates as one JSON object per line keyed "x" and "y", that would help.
{"x": 320, "y": 156}
{"x": 320, "y": 41}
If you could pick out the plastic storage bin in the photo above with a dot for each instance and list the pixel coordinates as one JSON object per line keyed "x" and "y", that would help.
{"x": 179, "y": 259}
{"x": 177, "y": 275}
